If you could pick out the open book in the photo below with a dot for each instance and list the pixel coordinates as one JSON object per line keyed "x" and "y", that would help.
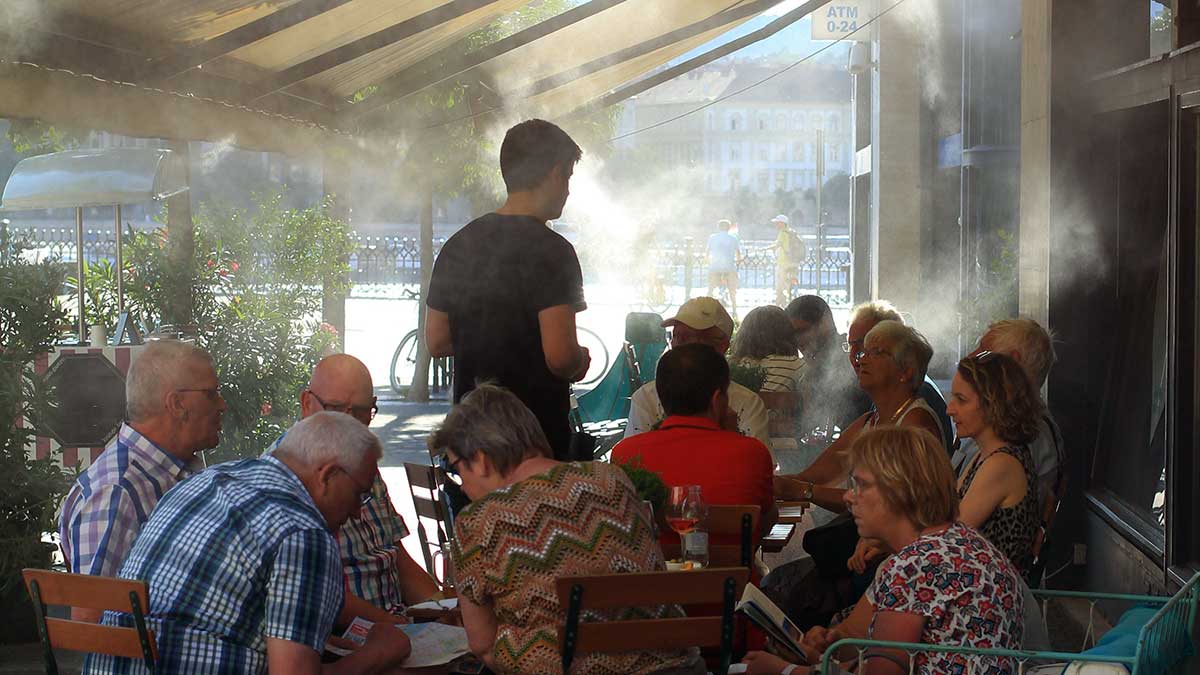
{"x": 759, "y": 609}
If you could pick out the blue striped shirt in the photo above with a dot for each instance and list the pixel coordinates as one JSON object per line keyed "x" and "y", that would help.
{"x": 236, "y": 555}
{"x": 370, "y": 545}
{"x": 113, "y": 499}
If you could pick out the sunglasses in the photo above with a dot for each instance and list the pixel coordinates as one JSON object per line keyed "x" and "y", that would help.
{"x": 360, "y": 412}
{"x": 448, "y": 467}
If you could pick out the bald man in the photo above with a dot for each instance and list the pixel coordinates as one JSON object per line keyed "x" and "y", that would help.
{"x": 378, "y": 569}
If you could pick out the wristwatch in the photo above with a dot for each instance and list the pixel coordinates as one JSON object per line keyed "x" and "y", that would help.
{"x": 806, "y": 491}
{"x": 787, "y": 670}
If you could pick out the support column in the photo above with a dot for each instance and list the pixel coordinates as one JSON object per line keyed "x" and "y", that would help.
{"x": 181, "y": 246}
{"x": 896, "y": 182}
{"x": 1034, "y": 277}
{"x": 335, "y": 182}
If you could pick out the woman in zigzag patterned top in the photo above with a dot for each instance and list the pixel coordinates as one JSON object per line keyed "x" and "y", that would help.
{"x": 532, "y": 520}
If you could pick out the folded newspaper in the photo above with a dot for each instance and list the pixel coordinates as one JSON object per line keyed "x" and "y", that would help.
{"x": 433, "y": 644}
{"x": 767, "y": 615}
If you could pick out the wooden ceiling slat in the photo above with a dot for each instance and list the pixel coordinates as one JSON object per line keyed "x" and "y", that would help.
{"x": 366, "y": 45}
{"x": 242, "y": 36}
{"x": 448, "y": 63}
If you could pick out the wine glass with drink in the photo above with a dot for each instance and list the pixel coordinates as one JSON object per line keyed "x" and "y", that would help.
{"x": 685, "y": 509}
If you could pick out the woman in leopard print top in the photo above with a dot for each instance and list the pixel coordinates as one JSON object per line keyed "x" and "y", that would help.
{"x": 993, "y": 402}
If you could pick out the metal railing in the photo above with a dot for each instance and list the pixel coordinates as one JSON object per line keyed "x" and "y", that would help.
{"x": 379, "y": 262}
{"x": 1163, "y": 642}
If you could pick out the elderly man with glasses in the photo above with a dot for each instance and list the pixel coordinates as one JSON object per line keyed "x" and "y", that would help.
{"x": 173, "y": 409}
{"x": 382, "y": 577}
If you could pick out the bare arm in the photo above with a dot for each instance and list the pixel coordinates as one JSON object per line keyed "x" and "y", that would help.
{"x": 355, "y": 606}
{"x": 480, "y": 623}
{"x": 415, "y": 583}
{"x": 386, "y": 648}
{"x": 921, "y": 419}
{"x": 437, "y": 333}
{"x": 999, "y": 478}
{"x": 892, "y": 627}
{"x": 564, "y": 357}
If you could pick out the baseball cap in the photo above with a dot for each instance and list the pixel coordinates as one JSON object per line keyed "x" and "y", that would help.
{"x": 702, "y": 314}
{"x": 780, "y": 219}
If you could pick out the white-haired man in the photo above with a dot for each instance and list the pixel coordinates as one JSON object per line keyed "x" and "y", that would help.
{"x": 243, "y": 569}
{"x": 703, "y": 321}
{"x": 382, "y": 577}
{"x": 173, "y": 409}
{"x": 1032, "y": 347}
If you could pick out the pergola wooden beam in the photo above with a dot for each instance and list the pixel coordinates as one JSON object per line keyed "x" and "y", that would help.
{"x": 446, "y": 64}
{"x": 210, "y": 50}
{"x": 649, "y": 46}
{"x": 630, "y": 90}
{"x": 378, "y": 40}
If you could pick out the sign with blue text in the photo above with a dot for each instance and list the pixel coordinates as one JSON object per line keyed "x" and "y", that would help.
{"x": 839, "y": 20}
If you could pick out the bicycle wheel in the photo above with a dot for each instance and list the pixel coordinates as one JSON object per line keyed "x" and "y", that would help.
{"x": 404, "y": 363}
{"x": 599, "y": 353}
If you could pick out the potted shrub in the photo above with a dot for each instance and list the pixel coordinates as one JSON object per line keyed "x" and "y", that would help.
{"x": 31, "y": 321}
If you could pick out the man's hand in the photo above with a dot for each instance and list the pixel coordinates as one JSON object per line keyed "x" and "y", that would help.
{"x": 387, "y": 645}
{"x": 866, "y": 552}
{"x": 585, "y": 362}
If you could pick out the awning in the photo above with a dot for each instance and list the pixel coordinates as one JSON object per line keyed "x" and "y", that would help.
{"x": 94, "y": 178}
{"x": 280, "y": 74}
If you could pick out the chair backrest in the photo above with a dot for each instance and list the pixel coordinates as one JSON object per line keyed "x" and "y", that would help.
{"x": 428, "y": 505}
{"x": 1037, "y": 551}
{"x": 782, "y": 409}
{"x": 619, "y": 591}
{"x": 724, "y": 521}
{"x": 91, "y": 592}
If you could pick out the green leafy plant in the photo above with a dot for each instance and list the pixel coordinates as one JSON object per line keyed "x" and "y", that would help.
{"x": 749, "y": 376}
{"x": 31, "y": 321}
{"x": 256, "y": 278}
{"x": 649, "y": 485}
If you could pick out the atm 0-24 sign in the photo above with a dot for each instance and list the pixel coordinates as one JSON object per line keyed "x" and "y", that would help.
{"x": 840, "y": 19}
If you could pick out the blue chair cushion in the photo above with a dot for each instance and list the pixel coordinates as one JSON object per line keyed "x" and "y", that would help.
{"x": 1122, "y": 639}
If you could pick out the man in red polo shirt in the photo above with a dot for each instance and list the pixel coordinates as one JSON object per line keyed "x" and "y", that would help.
{"x": 691, "y": 448}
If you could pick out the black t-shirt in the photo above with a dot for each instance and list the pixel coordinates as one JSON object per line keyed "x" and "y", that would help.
{"x": 492, "y": 278}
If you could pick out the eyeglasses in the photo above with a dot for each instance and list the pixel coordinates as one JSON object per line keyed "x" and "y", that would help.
{"x": 450, "y": 468}
{"x": 855, "y": 346}
{"x": 874, "y": 351}
{"x": 364, "y": 413}
{"x": 364, "y": 496}
{"x": 857, "y": 485}
{"x": 211, "y": 393}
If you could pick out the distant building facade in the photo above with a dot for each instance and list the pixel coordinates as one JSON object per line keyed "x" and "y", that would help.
{"x": 764, "y": 139}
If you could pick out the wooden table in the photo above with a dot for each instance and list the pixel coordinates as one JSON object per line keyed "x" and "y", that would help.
{"x": 779, "y": 537}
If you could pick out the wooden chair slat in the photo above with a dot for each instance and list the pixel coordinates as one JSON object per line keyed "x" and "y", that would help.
{"x": 420, "y": 475}
{"x": 91, "y": 638}
{"x": 719, "y": 555}
{"x": 86, "y": 591}
{"x": 610, "y": 591}
{"x": 427, "y": 508}
{"x": 704, "y": 631}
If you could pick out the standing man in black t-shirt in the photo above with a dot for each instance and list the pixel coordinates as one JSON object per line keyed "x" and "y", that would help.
{"x": 506, "y": 287}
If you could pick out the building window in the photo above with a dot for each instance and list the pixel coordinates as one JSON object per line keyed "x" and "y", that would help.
{"x": 763, "y": 181}
{"x": 735, "y": 152}
{"x": 835, "y": 153}
{"x": 815, "y": 120}
{"x": 780, "y": 180}
{"x": 762, "y": 122}
{"x": 735, "y": 121}
{"x": 834, "y": 123}
{"x": 764, "y": 152}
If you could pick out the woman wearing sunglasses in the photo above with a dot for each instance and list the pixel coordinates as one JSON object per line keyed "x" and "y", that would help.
{"x": 532, "y": 520}
{"x": 993, "y": 402}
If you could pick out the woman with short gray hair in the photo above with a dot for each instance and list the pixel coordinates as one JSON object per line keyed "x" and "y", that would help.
{"x": 534, "y": 519}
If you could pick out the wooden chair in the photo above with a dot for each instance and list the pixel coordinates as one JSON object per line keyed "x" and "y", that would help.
{"x": 720, "y": 586}
{"x": 429, "y": 505}
{"x": 739, "y": 520}
{"x": 90, "y": 592}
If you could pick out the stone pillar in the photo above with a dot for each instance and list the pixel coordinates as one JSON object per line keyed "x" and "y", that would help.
{"x": 896, "y": 182}
{"x": 1034, "y": 245}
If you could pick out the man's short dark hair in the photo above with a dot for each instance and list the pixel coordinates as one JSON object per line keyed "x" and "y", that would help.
{"x": 810, "y": 308}
{"x": 688, "y": 376}
{"x": 531, "y": 150}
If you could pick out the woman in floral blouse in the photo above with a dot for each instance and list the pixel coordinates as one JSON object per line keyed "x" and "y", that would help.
{"x": 946, "y": 584}
{"x": 531, "y": 521}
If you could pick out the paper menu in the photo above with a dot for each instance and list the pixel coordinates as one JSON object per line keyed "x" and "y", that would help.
{"x": 445, "y": 603}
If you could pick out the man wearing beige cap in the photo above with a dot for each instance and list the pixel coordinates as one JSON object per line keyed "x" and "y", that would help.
{"x": 701, "y": 321}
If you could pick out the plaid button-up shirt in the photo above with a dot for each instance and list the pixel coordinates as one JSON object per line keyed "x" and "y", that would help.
{"x": 234, "y": 556}
{"x": 369, "y": 543}
{"x": 113, "y": 499}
